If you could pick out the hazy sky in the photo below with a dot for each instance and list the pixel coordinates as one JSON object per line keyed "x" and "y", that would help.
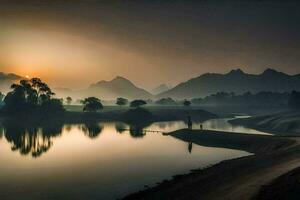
{"x": 73, "y": 43}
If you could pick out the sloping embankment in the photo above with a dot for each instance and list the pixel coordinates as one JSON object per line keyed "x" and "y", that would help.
{"x": 252, "y": 143}
{"x": 233, "y": 179}
{"x": 286, "y": 123}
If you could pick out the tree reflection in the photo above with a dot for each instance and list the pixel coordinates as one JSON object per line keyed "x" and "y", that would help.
{"x": 31, "y": 138}
{"x": 92, "y": 129}
{"x": 136, "y": 130}
{"x": 120, "y": 127}
{"x": 190, "y": 147}
{"x": 1, "y": 132}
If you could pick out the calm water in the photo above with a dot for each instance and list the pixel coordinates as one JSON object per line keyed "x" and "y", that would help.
{"x": 96, "y": 161}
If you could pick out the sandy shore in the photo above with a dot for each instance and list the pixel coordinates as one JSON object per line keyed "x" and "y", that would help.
{"x": 240, "y": 178}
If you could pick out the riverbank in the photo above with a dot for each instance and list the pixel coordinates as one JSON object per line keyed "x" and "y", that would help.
{"x": 133, "y": 116}
{"x": 139, "y": 115}
{"x": 239, "y": 178}
{"x": 286, "y": 186}
{"x": 283, "y": 123}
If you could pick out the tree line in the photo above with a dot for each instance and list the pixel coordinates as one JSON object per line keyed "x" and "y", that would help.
{"x": 35, "y": 97}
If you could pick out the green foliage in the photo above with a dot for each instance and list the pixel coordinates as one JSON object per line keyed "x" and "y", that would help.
{"x": 186, "y": 103}
{"x": 121, "y": 101}
{"x": 137, "y": 103}
{"x": 92, "y": 104}
{"x": 31, "y": 97}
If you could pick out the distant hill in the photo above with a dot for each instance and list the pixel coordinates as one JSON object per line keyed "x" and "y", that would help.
{"x": 159, "y": 89}
{"x": 6, "y": 80}
{"x": 235, "y": 81}
{"x": 118, "y": 87}
{"x": 62, "y": 92}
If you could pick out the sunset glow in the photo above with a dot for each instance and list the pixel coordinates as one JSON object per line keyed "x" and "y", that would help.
{"x": 149, "y": 99}
{"x": 100, "y": 42}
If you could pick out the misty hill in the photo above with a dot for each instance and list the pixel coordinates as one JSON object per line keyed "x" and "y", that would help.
{"x": 161, "y": 88}
{"x": 118, "y": 87}
{"x": 235, "y": 81}
{"x": 6, "y": 80}
{"x": 64, "y": 92}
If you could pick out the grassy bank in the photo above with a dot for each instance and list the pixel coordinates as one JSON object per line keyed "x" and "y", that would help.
{"x": 115, "y": 113}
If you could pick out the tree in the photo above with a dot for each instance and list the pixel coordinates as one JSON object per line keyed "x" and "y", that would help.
{"x": 92, "y": 104}
{"x": 69, "y": 100}
{"x": 121, "y": 101}
{"x": 53, "y": 106}
{"x": 137, "y": 103}
{"x": 28, "y": 96}
{"x": 294, "y": 100}
{"x": 186, "y": 103}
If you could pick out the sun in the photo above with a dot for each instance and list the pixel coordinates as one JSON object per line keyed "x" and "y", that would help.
{"x": 27, "y": 76}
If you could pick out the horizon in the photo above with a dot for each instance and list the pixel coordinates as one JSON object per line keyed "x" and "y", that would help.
{"x": 149, "y": 99}
{"x": 149, "y": 89}
{"x": 63, "y": 42}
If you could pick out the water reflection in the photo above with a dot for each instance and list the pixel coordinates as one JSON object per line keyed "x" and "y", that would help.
{"x": 120, "y": 127}
{"x": 1, "y": 132}
{"x": 35, "y": 139}
{"x": 110, "y": 165}
{"x": 135, "y": 130}
{"x": 92, "y": 129}
{"x": 31, "y": 139}
{"x": 190, "y": 147}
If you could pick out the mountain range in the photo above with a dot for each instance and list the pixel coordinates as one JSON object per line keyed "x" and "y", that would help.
{"x": 117, "y": 87}
{"x": 6, "y": 80}
{"x": 235, "y": 81}
{"x": 159, "y": 89}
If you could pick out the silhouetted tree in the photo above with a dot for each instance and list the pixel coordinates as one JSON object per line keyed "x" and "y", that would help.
{"x": 294, "y": 100}
{"x": 92, "y": 104}
{"x": 121, "y": 101}
{"x": 29, "y": 97}
{"x": 186, "y": 103}
{"x": 69, "y": 100}
{"x": 53, "y": 105}
{"x": 137, "y": 103}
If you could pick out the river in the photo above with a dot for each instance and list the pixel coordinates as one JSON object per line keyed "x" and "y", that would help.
{"x": 99, "y": 161}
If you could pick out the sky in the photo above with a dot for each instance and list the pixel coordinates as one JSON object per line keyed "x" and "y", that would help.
{"x": 75, "y": 43}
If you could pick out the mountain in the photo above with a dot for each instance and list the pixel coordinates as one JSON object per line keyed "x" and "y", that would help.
{"x": 118, "y": 87}
{"x": 6, "y": 80}
{"x": 235, "y": 81}
{"x": 62, "y": 92}
{"x": 159, "y": 89}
